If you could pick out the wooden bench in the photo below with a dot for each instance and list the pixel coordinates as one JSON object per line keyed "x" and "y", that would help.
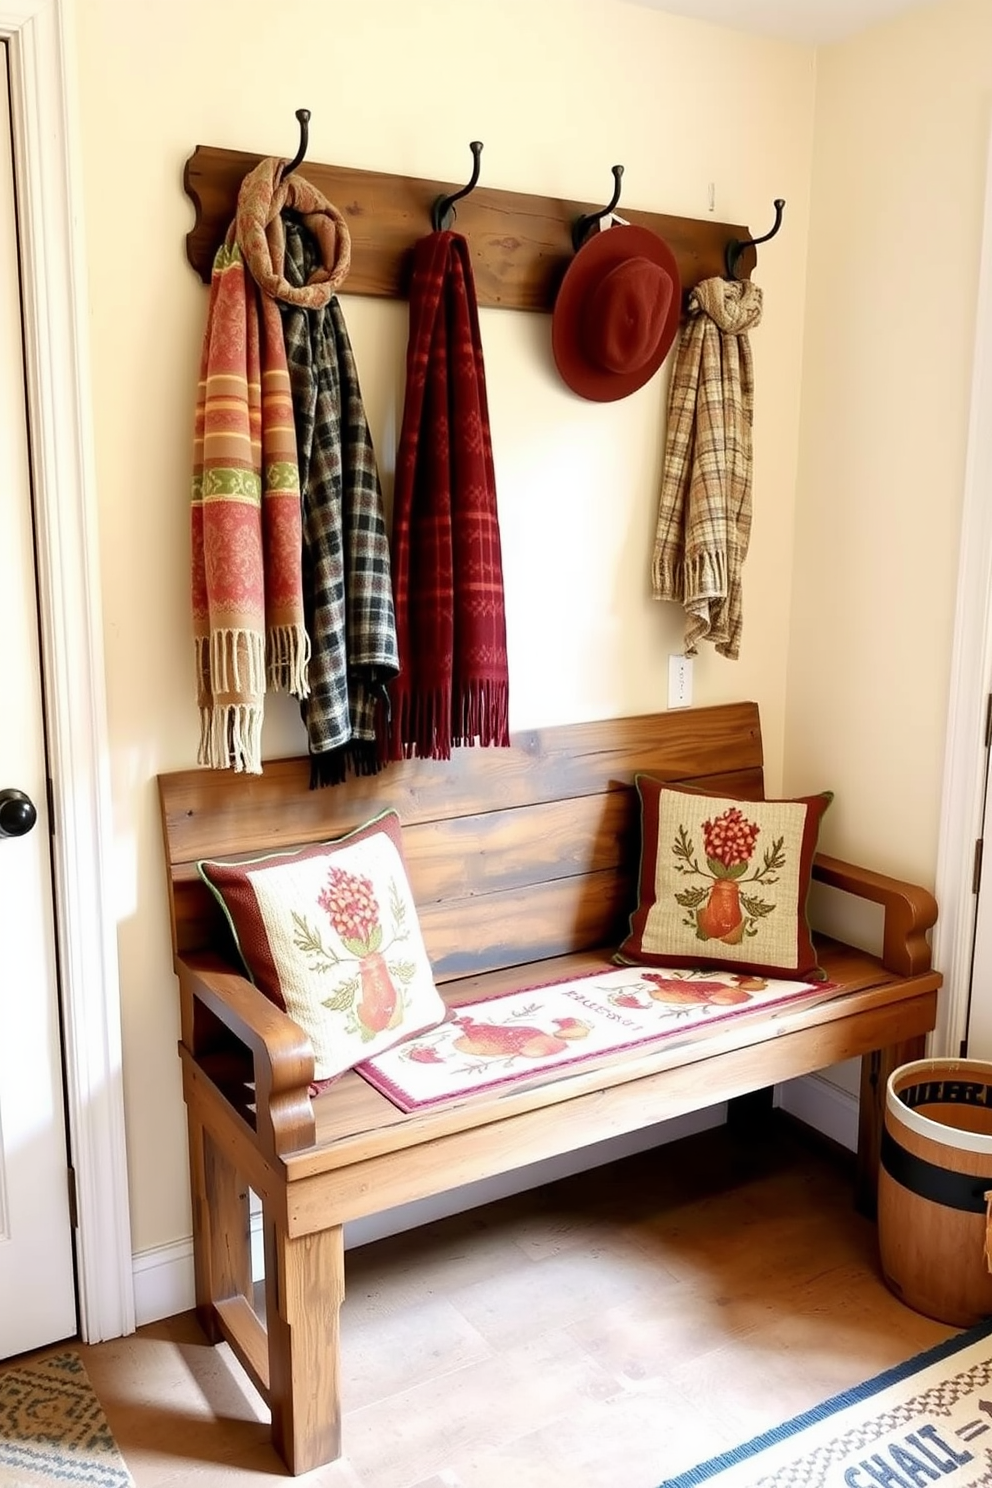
{"x": 522, "y": 863}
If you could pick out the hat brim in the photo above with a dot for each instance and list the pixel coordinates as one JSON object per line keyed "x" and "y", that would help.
{"x": 602, "y": 252}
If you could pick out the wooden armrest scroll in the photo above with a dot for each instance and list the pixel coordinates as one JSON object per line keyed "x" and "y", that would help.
{"x": 910, "y": 911}
{"x": 282, "y": 1055}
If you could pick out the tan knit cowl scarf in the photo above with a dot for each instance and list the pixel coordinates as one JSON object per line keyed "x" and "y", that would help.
{"x": 704, "y": 512}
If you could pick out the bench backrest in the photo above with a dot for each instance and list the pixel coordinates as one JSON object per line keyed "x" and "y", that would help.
{"x": 513, "y": 854}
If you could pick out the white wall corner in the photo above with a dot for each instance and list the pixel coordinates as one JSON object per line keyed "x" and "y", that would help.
{"x": 962, "y": 802}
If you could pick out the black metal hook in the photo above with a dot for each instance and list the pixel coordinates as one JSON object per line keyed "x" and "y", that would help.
{"x": 303, "y": 116}
{"x": 582, "y": 226}
{"x": 443, "y": 211}
{"x": 736, "y": 246}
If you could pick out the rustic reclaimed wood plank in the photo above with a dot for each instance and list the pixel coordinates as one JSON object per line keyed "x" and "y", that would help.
{"x": 214, "y": 813}
{"x": 476, "y": 932}
{"x": 451, "y": 861}
{"x": 581, "y": 1108}
{"x": 427, "y": 843}
{"x": 520, "y": 244}
{"x": 550, "y": 919}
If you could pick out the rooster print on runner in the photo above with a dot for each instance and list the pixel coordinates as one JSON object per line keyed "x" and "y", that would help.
{"x": 597, "y": 1015}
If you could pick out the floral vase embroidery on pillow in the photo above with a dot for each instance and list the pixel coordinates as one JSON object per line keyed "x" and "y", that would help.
{"x": 720, "y": 908}
{"x": 330, "y": 933}
{"x": 371, "y": 990}
{"x": 723, "y": 882}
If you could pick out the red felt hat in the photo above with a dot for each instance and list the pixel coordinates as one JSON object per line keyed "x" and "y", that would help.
{"x": 616, "y": 313}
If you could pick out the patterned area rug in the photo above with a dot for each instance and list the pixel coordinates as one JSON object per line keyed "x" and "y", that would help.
{"x": 52, "y": 1429}
{"x": 926, "y": 1421}
{"x": 502, "y": 1040}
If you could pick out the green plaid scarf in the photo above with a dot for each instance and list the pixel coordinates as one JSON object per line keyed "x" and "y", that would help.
{"x": 347, "y": 585}
{"x": 704, "y": 513}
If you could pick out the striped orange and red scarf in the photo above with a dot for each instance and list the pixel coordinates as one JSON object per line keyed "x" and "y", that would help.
{"x": 247, "y": 531}
{"x": 247, "y": 593}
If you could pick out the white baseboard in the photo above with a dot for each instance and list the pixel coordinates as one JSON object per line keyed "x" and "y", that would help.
{"x": 823, "y": 1105}
{"x": 163, "y": 1277}
{"x": 163, "y": 1281}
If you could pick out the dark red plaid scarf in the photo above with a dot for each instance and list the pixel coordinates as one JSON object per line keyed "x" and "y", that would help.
{"x": 453, "y": 686}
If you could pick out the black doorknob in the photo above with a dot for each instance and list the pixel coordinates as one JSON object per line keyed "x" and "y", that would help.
{"x": 17, "y": 813}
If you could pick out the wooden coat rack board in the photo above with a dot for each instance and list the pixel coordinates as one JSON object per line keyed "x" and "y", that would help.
{"x": 521, "y": 245}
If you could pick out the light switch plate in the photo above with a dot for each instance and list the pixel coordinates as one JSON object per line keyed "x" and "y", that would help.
{"x": 679, "y": 682}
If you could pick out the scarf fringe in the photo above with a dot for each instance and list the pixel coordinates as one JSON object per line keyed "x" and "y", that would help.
{"x": 236, "y": 663}
{"x": 288, "y": 660}
{"x": 230, "y": 733}
{"x": 231, "y": 737}
{"x": 360, "y": 756}
{"x": 705, "y": 576}
{"x": 203, "y": 752}
{"x": 421, "y": 727}
{"x": 426, "y": 726}
{"x": 482, "y": 715}
{"x": 666, "y": 578}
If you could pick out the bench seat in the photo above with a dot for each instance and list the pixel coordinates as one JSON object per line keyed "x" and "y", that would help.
{"x": 523, "y": 865}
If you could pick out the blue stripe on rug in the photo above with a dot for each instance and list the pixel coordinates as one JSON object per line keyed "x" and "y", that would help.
{"x": 736, "y": 1455}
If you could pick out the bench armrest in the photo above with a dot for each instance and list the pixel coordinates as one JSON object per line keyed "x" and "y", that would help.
{"x": 910, "y": 911}
{"x": 281, "y": 1053}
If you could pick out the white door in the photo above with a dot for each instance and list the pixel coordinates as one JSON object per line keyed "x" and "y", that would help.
{"x": 37, "y": 1289}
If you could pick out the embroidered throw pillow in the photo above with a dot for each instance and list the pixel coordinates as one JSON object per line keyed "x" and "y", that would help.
{"x": 330, "y": 934}
{"x": 724, "y": 882}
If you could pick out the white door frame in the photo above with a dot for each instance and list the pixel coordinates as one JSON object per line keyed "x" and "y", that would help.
{"x": 962, "y": 805}
{"x": 48, "y": 186}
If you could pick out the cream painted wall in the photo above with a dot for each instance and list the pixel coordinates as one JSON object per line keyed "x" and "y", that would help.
{"x": 558, "y": 93}
{"x": 902, "y": 127}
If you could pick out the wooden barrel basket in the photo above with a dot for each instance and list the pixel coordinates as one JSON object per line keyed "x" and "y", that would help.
{"x": 936, "y": 1171}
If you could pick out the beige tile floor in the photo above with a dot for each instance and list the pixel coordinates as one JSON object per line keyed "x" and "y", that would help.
{"x": 603, "y": 1332}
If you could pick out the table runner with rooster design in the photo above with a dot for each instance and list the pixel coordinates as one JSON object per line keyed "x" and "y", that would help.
{"x": 502, "y": 1040}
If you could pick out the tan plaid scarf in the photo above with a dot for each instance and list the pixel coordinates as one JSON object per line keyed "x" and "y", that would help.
{"x": 704, "y": 514}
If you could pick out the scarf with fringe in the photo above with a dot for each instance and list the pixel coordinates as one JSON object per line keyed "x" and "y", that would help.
{"x": 704, "y": 512}
{"x": 347, "y": 585}
{"x": 248, "y": 621}
{"x": 453, "y": 686}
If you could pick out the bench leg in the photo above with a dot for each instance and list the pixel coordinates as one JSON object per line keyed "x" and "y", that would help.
{"x": 221, "y": 1236}
{"x": 876, "y": 1068}
{"x": 304, "y": 1289}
